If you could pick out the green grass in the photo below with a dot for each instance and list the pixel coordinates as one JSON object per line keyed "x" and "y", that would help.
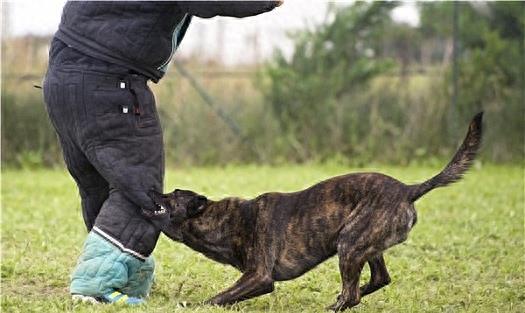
{"x": 466, "y": 254}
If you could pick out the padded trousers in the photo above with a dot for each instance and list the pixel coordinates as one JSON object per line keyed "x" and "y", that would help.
{"x": 111, "y": 139}
{"x": 109, "y": 130}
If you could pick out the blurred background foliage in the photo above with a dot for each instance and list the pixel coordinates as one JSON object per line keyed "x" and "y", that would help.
{"x": 358, "y": 88}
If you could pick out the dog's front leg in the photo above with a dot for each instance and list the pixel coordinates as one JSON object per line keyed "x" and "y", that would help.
{"x": 251, "y": 284}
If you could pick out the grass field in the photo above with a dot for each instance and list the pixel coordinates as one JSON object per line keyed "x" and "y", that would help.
{"x": 466, "y": 254}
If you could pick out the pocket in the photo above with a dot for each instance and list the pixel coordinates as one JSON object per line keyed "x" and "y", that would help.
{"x": 113, "y": 102}
{"x": 147, "y": 117}
{"x": 111, "y": 111}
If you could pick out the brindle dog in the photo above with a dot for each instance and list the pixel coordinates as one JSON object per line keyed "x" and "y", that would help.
{"x": 280, "y": 236}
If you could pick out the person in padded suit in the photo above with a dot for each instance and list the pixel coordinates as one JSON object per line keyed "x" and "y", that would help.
{"x": 97, "y": 97}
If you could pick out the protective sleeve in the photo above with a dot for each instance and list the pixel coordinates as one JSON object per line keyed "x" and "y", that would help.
{"x": 207, "y": 9}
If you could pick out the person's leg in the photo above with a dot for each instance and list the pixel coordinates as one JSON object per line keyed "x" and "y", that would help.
{"x": 62, "y": 91}
{"x": 116, "y": 254}
{"x": 103, "y": 266}
{"x": 122, "y": 138}
{"x": 93, "y": 188}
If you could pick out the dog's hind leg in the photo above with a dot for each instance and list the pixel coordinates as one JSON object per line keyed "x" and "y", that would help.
{"x": 248, "y": 286}
{"x": 355, "y": 246}
{"x": 350, "y": 265}
{"x": 379, "y": 276}
{"x": 351, "y": 262}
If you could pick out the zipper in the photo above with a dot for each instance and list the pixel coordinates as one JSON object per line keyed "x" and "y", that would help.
{"x": 174, "y": 43}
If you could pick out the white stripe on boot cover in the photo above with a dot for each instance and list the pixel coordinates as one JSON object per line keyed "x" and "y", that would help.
{"x": 118, "y": 244}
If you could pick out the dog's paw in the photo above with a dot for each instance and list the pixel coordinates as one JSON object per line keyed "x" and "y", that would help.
{"x": 184, "y": 304}
{"x": 333, "y": 306}
{"x": 341, "y": 304}
{"x": 211, "y": 301}
{"x": 216, "y": 301}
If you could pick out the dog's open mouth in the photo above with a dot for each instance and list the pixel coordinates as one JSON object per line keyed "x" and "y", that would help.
{"x": 157, "y": 197}
{"x": 160, "y": 207}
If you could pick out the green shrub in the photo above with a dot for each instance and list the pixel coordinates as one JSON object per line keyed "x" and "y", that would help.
{"x": 28, "y": 138}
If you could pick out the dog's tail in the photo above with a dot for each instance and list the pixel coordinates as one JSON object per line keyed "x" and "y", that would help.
{"x": 459, "y": 164}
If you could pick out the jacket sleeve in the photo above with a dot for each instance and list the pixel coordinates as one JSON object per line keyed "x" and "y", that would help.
{"x": 208, "y": 9}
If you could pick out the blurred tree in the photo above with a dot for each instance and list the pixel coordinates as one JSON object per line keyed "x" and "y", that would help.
{"x": 329, "y": 62}
{"x": 492, "y": 66}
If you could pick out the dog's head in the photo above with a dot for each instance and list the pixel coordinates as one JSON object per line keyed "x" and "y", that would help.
{"x": 181, "y": 204}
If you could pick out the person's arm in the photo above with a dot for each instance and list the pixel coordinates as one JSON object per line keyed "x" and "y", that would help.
{"x": 208, "y": 9}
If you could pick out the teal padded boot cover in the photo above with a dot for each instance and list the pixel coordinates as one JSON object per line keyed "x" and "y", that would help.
{"x": 140, "y": 281}
{"x": 102, "y": 268}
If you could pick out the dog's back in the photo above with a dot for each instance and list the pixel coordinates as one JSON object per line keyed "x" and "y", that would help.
{"x": 303, "y": 227}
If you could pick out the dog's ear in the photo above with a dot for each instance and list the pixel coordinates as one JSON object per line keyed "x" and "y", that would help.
{"x": 196, "y": 206}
